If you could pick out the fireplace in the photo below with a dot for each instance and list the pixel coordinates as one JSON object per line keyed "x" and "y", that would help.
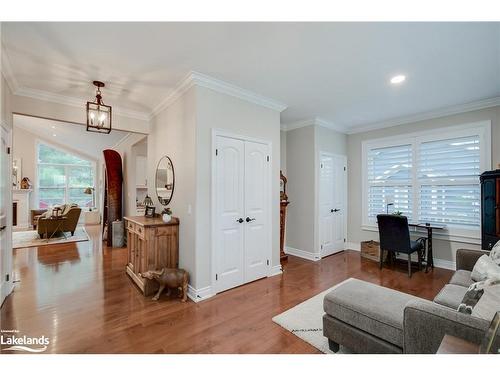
{"x": 14, "y": 214}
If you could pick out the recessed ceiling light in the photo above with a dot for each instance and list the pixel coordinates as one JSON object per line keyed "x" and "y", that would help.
{"x": 400, "y": 78}
{"x": 53, "y": 127}
{"x": 54, "y": 135}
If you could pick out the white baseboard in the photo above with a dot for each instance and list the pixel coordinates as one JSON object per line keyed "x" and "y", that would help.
{"x": 353, "y": 246}
{"x": 447, "y": 264}
{"x": 302, "y": 254}
{"x": 201, "y": 294}
{"x": 275, "y": 270}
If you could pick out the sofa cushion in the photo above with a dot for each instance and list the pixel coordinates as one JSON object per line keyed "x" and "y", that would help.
{"x": 370, "y": 308}
{"x": 451, "y": 296}
{"x": 462, "y": 278}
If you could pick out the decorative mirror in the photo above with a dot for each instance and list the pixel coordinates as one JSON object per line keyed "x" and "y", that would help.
{"x": 165, "y": 180}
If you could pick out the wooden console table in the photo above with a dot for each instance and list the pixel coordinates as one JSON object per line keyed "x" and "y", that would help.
{"x": 151, "y": 245}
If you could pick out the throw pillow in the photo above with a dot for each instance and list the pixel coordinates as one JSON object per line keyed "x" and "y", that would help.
{"x": 495, "y": 253}
{"x": 489, "y": 303}
{"x": 474, "y": 294}
{"x": 485, "y": 268}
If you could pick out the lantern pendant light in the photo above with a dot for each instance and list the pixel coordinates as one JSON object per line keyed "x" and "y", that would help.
{"x": 98, "y": 114}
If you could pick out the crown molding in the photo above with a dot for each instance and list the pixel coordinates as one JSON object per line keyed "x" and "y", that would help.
{"x": 7, "y": 72}
{"x": 75, "y": 102}
{"x": 184, "y": 85}
{"x": 238, "y": 92}
{"x": 202, "y": 80}
{"x": 314, "y": 121}
{"x": 441, "y": 112}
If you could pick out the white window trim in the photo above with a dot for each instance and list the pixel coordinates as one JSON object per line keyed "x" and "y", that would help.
{"x": 66, "y": 150}
{"x": 481, "y": 128}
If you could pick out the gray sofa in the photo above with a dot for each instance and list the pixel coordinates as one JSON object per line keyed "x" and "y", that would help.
{"x": 368, "y": 318}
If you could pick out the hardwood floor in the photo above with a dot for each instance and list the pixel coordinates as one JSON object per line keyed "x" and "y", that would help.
{"x": 79, "y": 296}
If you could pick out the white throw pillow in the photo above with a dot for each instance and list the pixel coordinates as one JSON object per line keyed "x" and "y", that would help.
{"x": 495, "y": 253}
{"x": 485, "y": 268}
{"x": 488, "y": 304}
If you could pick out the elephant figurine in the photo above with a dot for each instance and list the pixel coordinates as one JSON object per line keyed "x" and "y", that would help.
{"x": 170, "y": 278}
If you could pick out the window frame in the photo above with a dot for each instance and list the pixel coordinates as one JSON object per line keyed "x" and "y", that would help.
{"x": 452, "y": 232}
{"x": 67, "y": 167}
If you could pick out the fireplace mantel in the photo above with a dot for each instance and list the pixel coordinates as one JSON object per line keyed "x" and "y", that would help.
{"x": 21, "y": 198}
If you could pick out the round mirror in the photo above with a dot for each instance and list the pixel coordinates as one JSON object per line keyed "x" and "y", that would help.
{"x": 165, "y": 180}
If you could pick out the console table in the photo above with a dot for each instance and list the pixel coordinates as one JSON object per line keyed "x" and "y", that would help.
{"x": 151, "y": 245}
{"x": 429, "y": 260}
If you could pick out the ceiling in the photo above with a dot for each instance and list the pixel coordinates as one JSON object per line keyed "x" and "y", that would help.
{"x": 72, "y": 136}
{"x": 338, "y": 72}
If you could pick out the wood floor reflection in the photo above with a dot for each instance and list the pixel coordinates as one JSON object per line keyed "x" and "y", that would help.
{"x": 79, "y": 296}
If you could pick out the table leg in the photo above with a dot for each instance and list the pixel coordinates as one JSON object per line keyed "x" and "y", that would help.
{"x": 430, "y": 258}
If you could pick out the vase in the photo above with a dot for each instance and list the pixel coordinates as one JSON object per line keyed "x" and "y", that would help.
{"x": 166, "y": 218}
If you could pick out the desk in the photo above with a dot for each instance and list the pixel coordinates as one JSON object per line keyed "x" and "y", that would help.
{"x": 429, "y": 259}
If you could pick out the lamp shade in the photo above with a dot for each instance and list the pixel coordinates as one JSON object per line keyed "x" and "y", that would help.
{"x": 148, "y": 201}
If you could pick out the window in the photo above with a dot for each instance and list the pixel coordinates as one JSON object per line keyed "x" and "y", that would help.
{"x": 428, "y": 177}
{"x": 63, "y": 177}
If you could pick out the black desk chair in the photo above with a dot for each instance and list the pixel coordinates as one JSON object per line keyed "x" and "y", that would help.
{"x": 395, "y": 237}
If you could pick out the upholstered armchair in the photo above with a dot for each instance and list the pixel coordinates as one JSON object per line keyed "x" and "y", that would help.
{"x": 48, "y": 226}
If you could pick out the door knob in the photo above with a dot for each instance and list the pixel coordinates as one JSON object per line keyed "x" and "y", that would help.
{"x": 335, "y": 210}
{"x": 240, "y": 220}
{"x": 249, "y": 220}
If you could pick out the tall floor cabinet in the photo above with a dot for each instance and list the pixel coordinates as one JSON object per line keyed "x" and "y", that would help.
{"x": 490, "y": 209}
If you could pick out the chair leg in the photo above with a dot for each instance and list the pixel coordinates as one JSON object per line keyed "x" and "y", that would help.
{"x": 333, "y": 346}
{"x": 409, "y": 265}
{"x": 381, "y": 258}
{"x": 419, "y": 260}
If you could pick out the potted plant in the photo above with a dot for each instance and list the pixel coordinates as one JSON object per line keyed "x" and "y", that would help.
{"x": 166, "y": 215}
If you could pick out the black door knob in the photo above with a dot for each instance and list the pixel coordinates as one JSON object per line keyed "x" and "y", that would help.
{"x": 240, "y": 220}
{"x": 335, "y": 210}
{"x": 249, "y": 220}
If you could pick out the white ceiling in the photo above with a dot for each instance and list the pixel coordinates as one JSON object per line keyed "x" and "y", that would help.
{"x": 338, "y": 72}
{"x": 72, "y": 136}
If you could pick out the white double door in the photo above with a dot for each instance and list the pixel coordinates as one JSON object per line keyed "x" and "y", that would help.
{"x": 332, "y": 198}
{"x": 242, "y": 200}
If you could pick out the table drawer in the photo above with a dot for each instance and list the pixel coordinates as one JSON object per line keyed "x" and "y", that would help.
{"x": 130, "y": 226}
{"x": 139, "y": 230}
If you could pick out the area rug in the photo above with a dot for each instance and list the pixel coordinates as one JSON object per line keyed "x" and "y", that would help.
{"x": 306, "y": 321}
{"x": 30, "y": 238}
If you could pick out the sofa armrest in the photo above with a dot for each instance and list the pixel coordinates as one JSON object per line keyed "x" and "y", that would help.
{"x": 466, "y": 258}
{"x": 425, "y": 323}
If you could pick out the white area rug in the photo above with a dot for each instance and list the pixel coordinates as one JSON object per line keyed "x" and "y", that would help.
{"x": 306, "y": 321}
{"x": 30, "y": 238}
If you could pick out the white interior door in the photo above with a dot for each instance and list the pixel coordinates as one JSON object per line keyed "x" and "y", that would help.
{"x": 230, "y": 211}
{"x": 332, "y": 197}
{"x": 256, "y": 211}
{"x": 5, "y": 224}
{"x": 242, "y": 200}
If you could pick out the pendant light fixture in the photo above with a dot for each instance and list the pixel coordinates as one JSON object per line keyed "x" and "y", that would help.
{"x": 98, "y": 114}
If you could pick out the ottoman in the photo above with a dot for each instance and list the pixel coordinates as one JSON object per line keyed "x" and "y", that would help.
{"x": 364, "y": 317}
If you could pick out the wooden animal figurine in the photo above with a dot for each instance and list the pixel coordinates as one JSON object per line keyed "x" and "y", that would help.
{"x": 169, "y": 278}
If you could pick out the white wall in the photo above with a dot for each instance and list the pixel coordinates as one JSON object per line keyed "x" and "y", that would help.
{"x": 173, "y": 134}
{"x": 216, "y": 110}
{"x": 300, "y": 188}
{"x": 443, "y": 249}
{"x": 283, "y": 151}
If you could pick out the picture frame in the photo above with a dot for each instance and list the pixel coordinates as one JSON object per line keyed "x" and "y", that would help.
{"x": 488, "y": 344}
{"x": 149, "y": 211}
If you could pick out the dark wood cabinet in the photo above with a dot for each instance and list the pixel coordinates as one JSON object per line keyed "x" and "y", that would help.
{"x": 490, "y": 208}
